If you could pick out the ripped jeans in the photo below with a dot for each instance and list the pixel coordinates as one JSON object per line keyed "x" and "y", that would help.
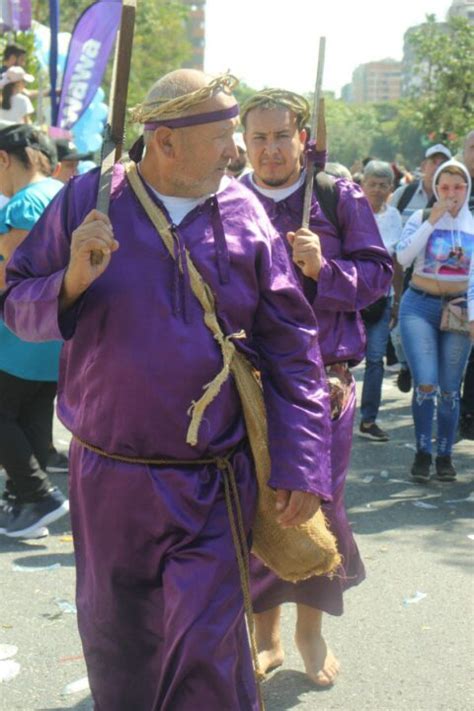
{"x": 437, "y": 360}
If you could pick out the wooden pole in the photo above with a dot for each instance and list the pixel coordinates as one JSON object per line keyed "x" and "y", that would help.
{"x": 115, "y": 127}
{"x": 318, "y": 108}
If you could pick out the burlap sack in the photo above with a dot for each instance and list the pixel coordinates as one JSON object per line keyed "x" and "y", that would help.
{"x": 292, "y": 553}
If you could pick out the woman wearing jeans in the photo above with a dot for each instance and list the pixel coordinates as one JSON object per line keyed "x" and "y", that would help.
{"x": 442, "y": 246}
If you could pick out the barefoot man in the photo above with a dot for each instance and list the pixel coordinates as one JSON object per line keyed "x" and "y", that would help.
{"x": 341, "y": 270}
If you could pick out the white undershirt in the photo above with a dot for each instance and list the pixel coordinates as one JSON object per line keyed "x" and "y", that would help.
{"x": 179, "y": 207}
{"x": 279, "y": 194}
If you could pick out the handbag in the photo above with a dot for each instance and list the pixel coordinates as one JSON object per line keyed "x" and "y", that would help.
{"x": 374, "y": 312}
{"x": 454, "y": 316}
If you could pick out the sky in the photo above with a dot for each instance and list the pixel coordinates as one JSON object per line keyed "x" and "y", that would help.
{"x": 275, "y": 42}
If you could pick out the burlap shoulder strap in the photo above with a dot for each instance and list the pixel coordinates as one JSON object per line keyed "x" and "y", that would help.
{"x": 233, "y": 361}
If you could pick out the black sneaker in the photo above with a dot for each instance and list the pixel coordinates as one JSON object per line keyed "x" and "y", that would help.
{"x": 420, "y": 470}
{"x": 444, "y": 468}
{"x": 57, "y": 462}
{"x": 404, "y": 380}
{"x": 27, "y": 518}
{"x": 373, "y": 431}
{"x": 6, "y": 517}
{"x": 466, "y": 426}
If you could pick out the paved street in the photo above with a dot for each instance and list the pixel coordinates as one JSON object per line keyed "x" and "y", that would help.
{"x": 406, "y": 641}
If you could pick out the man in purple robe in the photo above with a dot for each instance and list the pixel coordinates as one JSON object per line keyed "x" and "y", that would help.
{"x": 342, "y": 268}
{"x": 160, "y": 604}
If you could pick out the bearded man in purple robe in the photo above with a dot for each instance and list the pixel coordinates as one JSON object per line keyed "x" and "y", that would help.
{"x": 341, "y": 268}
{"x": 159, "y": 598}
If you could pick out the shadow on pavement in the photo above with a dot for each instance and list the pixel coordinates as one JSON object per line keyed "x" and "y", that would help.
{"x": 45, "y": 560}
{"x": 283, "y": 689}
{"x": 84, "y": 705}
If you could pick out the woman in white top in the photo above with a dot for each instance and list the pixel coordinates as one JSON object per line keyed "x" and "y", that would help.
{"x": 441, "y": 247}
{"x": 16, "y": 107}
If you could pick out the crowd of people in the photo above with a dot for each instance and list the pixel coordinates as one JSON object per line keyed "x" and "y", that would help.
{"x": 146, "y": 379}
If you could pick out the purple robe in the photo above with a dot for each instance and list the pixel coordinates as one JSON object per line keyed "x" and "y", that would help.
{"x": 159, "y": 599}
{"x": 356, "y": 271}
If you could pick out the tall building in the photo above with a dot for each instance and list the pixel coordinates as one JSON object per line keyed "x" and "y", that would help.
{"x": 376, "y": 81}
{"x": 462, "y": 8}
{"x": 196, "y": 32}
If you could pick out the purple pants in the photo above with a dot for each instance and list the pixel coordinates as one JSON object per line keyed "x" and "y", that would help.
{"x": 320, "y": 592}
{"x": 160, "y": 606}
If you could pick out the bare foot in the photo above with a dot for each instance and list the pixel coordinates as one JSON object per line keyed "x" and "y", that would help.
{"x": 267, "y": 635}
{"x": 270, "y": 659}
{"x": 321, "y": 665}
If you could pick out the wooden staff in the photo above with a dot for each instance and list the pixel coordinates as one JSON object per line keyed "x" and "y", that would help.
{"x": 318, "y": 116}
{"x": 115, "y": 126}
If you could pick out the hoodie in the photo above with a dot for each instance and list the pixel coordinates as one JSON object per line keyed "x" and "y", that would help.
{"x": 442, "y": 251}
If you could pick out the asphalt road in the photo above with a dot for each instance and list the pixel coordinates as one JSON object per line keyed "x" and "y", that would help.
{"x": 406, "y": 641}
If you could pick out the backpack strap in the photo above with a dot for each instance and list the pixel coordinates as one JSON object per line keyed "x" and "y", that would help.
{"x": 407, "y": 195}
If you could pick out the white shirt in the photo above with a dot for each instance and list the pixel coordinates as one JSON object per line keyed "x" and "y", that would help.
{"x": 279, "y": 194}
{"x": 179, "y": 207}
{"x": 389, "y": 222}
{"x": 21, "y": 106}
{"x": 418, "y": 201}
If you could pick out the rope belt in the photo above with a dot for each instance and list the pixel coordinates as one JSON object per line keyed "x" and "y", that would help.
{"x": 234, "y": 510}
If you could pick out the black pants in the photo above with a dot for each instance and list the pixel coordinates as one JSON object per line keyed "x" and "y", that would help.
{"x": 26, "y": 413}
{"x": 467, "y": 400}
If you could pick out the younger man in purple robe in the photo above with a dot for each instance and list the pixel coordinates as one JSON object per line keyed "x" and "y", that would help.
{"x": 160, "y": 605}
{"x": 341, "y": 270}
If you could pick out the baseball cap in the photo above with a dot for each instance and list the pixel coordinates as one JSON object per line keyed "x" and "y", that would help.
{"x": 438, "y": 148}
{"x": 68, "y": 151}
{"x": 23, "y": 135}
{"x": 14, "y": 74}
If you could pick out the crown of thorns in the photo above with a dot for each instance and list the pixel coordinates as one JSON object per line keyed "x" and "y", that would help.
{"x": 271, "y": 98}
{"x": 164, "y": 109}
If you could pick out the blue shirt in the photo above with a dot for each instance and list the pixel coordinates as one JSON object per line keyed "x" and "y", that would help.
{"x": 31, "y": 361}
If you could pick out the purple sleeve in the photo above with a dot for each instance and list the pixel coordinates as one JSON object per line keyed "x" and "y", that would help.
{"x": 294, "y": 382}
{"x": 35, "y": 274}
{"x": 363, "y": 272}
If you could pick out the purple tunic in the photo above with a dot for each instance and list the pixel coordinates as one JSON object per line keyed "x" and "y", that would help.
{"x": 153, "y": 547}
{"x": 356, "y": 271}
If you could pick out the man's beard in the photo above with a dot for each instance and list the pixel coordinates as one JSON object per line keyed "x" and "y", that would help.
{"x": 276, "y": 182}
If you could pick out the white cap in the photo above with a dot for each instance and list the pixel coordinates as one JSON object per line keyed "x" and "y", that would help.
{"x": 14, "y": 74}
{"x": 438, "y": 148}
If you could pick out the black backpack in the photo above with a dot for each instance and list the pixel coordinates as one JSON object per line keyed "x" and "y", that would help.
{"x": 324, "y": 188}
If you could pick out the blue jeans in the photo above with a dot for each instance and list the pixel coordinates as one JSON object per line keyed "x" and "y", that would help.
{"x": 377, "y": 337}
{"x": 437, "y": 360}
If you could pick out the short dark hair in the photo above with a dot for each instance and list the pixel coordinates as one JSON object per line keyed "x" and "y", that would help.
{"x": 13, "y": 50}
{"x": 30, "y": 146}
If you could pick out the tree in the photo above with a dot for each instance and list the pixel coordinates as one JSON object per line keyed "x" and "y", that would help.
{"x": 443, "y": 92}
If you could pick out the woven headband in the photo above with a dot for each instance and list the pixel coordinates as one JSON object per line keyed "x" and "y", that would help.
{"x": 195, "y": 120}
